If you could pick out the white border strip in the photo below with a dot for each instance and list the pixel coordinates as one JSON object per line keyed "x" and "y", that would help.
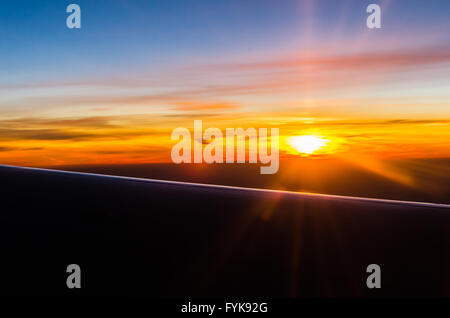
{"x": 216, "y": 186}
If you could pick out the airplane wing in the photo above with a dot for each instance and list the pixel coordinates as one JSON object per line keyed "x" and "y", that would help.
{"x": 154, "y": 238}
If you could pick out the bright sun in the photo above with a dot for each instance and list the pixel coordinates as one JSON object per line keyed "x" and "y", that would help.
{"x": 307, "y": 144}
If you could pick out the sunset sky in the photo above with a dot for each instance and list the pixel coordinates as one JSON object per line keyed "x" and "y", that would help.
{"x": 113, "y": 91}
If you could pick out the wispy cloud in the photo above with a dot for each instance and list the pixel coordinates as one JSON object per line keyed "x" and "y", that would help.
{"x": 349, "y": 61}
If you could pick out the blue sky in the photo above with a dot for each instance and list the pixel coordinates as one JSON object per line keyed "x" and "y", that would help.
{"x": 128, "y": 36}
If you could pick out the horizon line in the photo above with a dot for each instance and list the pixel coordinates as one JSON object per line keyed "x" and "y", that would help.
{"x": 218, "y": 186}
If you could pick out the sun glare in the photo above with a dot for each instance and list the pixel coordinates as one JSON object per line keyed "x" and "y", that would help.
{"x": 307, "y": 144}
